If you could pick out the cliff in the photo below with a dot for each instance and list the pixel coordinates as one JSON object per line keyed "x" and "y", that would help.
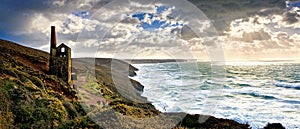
{"x": 102, "y": 98}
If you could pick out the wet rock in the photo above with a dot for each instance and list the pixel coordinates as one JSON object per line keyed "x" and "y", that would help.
{"x": 274, "y": 126}
{"x": 137, "y": 85}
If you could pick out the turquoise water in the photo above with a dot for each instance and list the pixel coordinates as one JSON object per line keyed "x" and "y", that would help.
{"x": 251, "y": 93}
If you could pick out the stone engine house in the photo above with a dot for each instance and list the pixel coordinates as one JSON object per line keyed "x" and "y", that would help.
{"x": 60, "y": 59}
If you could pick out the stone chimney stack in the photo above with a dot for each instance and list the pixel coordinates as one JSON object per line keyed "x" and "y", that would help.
{"x": 52, "y": 50}
{"x": 53, "y": 38}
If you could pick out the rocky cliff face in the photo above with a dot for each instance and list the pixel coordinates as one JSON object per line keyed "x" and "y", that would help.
{"x": 32, "y": 98}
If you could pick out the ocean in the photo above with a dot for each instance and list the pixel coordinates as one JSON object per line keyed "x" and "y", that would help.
{"x": 253, "y": 93}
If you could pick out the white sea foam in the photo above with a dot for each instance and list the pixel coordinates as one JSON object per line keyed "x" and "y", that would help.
{"x": 253, "y": 94}
{"x": 288, "y": 85}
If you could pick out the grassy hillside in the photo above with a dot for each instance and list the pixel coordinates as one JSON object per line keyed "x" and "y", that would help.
{"x": 103, "y": 97}
{"x": 29, "y": 97}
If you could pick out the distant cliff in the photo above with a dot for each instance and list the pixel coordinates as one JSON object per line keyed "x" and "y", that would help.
{"x": 32, "y": 98}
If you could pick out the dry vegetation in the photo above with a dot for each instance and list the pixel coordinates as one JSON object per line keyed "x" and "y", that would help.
{"x": 31, "y": 98}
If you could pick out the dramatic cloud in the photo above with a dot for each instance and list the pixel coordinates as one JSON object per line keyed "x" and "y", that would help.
{"x": 255, "y": 29}
{"x": 263, "y": 37}
{"x": 222, "y": 12}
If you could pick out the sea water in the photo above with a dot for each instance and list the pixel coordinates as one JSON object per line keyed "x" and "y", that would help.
{"x": 257, "y": 93}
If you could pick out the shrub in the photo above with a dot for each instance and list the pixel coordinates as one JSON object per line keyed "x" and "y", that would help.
{"x": 35, "y": 80}
{"x": 6, "y": 116}
{"x": 54, "y": 108}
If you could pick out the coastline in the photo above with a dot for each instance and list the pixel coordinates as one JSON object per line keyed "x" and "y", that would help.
{"x": 36, "y": 99}
{"x": 130, "y": 107}
{"x": 268, "y": 125}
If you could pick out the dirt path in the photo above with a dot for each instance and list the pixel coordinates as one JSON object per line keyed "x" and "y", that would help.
{"x": 93, "y": 99}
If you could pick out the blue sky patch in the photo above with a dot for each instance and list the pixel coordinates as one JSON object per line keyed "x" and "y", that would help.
{"x": 154, "y": 24}
{"x": 296, "y": 4}
{"x": 161, "y": 9}
{"x": 293, "y": 4}
{"x": 82, "y": 14}
{"x": 141, "y": 16}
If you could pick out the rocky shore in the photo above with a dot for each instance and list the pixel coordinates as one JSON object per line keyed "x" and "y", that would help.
{"x": 103, "y": 96}
{"x": 136, "y": 109}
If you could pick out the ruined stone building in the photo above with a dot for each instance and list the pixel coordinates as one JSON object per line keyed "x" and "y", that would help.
{"x": 60, "y": 59}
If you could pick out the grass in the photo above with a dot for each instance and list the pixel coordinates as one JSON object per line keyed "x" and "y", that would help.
{"x": 31, "y": 98}
{"x": 6, "y": 115}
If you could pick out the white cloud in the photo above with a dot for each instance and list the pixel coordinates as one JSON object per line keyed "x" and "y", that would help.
{"x": 261, "y": 37}
{"x": 123, "y": 34}
{"x": 254, "y": 31}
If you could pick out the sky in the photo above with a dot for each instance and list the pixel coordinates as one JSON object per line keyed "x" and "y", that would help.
{"x": 233, "y": 30}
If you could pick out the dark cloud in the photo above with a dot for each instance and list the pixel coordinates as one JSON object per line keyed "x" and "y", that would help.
{"x": 257, "y": 35}
{"x": 291, "y": 18}
{"x": 185, "y": 33}
{"x": 222, "y": 12}
{"x": 130, "y": 20}
{"x": 17, "y": 16}
{"x": 100, "y": 4}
